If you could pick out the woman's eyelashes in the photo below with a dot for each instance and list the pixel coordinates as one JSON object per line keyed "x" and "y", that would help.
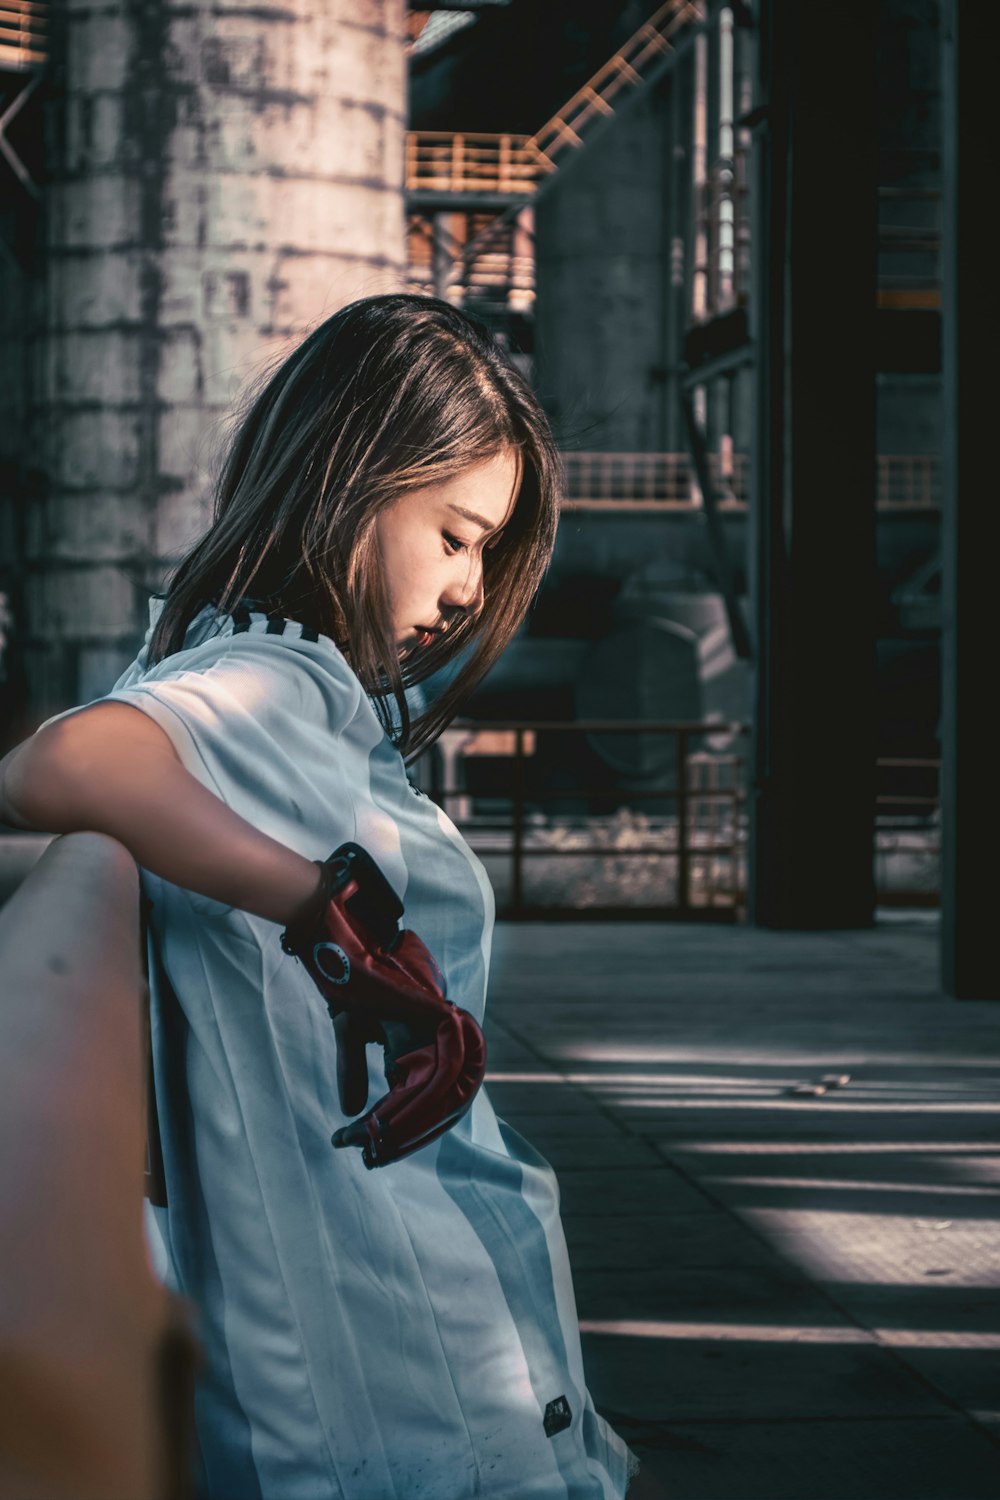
{"x": 454, "y": 545}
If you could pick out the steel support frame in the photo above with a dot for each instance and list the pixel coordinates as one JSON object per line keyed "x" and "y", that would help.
{"x": 970, "y": 812}
{"x": 812, "y": 537}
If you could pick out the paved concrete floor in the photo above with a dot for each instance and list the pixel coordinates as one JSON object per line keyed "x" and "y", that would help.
{"x": 783, "y": 1296}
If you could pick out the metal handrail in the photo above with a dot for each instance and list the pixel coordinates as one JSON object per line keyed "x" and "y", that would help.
{"x": 467, "y": 162}
{"x": 903, "y": 481}
{"x": 661, "y": 479}
{"x": 499, "y": 265}
{"x": 702, "y": 829}
{"x": 908, "y": 481}
{"x": 683, "y": 793}
{"x": 23, "y": 35}
{"x": 893, "y": 828}
{"x": 622, "y": 70}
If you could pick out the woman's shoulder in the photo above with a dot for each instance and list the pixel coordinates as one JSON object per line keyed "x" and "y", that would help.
{"x": 264, "y": 661}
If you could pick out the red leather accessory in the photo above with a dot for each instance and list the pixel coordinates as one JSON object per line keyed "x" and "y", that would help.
{"x": 380, "y": 983}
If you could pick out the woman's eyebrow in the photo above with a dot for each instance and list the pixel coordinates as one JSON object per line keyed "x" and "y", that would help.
{"x": 470, "y": 515}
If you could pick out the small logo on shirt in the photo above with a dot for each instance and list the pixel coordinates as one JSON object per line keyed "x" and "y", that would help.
{"x": 557, "y": 1416}
{"x": 332, "y": 962}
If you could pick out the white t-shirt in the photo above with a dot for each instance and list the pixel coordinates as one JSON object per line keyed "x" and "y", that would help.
{"x": 374, "y": 1335}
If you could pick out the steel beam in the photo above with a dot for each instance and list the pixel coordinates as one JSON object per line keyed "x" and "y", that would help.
{"x": 812, "y": 566}
{"x": 970, "y": 812}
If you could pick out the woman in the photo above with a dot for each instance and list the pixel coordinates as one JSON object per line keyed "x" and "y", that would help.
{"x": 389, "y": 502}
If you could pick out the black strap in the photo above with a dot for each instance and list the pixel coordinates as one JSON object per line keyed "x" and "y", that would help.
{"x": 241, "y": 618}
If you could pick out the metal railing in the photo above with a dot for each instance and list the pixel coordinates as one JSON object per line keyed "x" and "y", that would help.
{"x": 443, "y": 161}
{"x": 512, "y": 166}
{"x": 908, "y": 481}
{"x": 469, "y": 162}
{"x": 903, "y": 481}
{"x": 23, "y": 35}
{"x": 661, "y": 480}
{"x": 493, "y": 266}
{"x": 689, "y": 864}
{"x": 908, "y": 832}
{"x": 625, "y": 69}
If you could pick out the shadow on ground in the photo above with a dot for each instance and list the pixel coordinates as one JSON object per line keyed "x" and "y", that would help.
{"x": 783, "y": 1295}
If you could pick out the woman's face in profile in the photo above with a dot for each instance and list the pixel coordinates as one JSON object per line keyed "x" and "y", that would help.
{"x": 432, "y": 542}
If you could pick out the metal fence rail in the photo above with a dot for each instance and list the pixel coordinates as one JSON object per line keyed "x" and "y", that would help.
{"x": 468, "y": 162}
{"x": 444, "y": 161}
{"x": 908, "y": 481}
{"x": 624, "y": 70}
{"x": 24, "y": 35}
{"x": 903, "y": 481}
{"x": 493, "y": 264}
{"x": 908, "y": 832}
{"x": 703, "y": 841}
{"x": 666, "y": 480}
{"x": 689, "y": 864}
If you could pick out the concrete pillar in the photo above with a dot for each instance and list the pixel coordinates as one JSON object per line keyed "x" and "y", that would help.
{"x": 223, "y": 176}
{"x": 812, "y": 807}
{"x": 969, "y": 301}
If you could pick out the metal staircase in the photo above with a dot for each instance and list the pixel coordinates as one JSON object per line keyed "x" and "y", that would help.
{"x": 470, "y": 195}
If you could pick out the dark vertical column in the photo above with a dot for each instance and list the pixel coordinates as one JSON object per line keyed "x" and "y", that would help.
{"x": 812, "y": 818}
{"x": 970, "y": 810}
{"x": 677, "y": 242}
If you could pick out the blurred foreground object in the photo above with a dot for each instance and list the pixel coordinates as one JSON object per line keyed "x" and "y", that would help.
{"x": 96, "y": 1362}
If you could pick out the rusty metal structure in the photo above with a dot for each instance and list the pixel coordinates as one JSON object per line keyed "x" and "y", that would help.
{"x": 469, "y": 195}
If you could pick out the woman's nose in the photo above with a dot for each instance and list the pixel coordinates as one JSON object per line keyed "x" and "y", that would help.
{"x": 466, "y": 590}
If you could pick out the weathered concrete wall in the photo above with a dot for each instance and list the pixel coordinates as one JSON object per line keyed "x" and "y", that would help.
{"x": 223, "y": 176}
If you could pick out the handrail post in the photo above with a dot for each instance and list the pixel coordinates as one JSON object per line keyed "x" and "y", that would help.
{"x": 517, "y": 849}
{"x": 683, "y": 853}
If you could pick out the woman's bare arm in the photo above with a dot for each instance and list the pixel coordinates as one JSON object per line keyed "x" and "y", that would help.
{"x": 111, "y": 768}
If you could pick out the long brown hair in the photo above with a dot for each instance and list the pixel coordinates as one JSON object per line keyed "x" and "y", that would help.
{"x": 389, "y": 394}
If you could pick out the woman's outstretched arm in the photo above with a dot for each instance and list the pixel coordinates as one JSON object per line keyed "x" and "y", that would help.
{"x": 111, "y": 768}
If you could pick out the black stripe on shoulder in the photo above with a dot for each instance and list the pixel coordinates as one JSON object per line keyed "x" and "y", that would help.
{"x": 276, "y": 625}
{"x": 241, "y": 618}
{"x": 309, "y": 634}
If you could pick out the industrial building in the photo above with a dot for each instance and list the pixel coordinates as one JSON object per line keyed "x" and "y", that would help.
{"x": 613, "y": 188}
